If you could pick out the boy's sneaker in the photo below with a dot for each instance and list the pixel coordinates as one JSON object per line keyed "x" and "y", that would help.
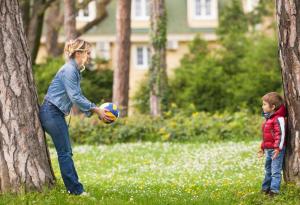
{"x": 273, "y": 194}
{"x": 266, "y": 192}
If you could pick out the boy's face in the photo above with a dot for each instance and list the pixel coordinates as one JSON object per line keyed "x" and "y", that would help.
{"x": 267, "y": 107}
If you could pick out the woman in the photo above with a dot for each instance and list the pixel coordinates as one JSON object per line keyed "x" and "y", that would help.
{"x": 63, "y": 92}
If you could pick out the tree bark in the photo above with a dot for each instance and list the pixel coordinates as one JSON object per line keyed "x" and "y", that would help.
{"x": 121, "y": 72}
{"x": 158, "y": 76}
{"x": 53, "y": 20}
{"x": 70, "y": 19}
{"x": 35, "y": 28}
{"x": 24, "y": 159}
{"x": 25, "y": 9}
{"x": 288, "y": 17}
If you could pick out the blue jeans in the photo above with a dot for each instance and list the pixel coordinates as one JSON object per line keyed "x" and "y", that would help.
{"x": 54, "y": 123}
{"x": 273, "y": 171}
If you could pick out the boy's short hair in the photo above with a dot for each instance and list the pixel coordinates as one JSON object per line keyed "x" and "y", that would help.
{"x": 273, "y": 98}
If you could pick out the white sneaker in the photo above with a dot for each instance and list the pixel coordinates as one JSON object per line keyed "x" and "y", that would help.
{"x": 84, "y": 194}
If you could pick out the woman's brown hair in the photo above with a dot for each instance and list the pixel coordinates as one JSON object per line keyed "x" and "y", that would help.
{"x": 76, "y": 45}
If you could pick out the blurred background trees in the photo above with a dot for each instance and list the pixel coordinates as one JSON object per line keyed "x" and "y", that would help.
{"x": 234, "y": 74}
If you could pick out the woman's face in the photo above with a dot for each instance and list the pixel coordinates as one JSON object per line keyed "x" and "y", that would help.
{"x": 83, "y": 57}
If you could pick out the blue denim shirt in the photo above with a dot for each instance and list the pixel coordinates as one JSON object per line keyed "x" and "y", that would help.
{"x": 64, "y": 90}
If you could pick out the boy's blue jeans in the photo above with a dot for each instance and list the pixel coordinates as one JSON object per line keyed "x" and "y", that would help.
{"x": 54, "y": 123}
{"x": 273, "y": 171}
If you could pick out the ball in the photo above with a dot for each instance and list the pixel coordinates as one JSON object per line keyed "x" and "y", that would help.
{"x": 112, "y": 111}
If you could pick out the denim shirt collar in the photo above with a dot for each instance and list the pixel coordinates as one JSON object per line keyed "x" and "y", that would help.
{"x": 73, "y": 62}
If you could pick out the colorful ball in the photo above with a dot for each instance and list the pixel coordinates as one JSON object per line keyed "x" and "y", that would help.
{"x": 112, "y": 111}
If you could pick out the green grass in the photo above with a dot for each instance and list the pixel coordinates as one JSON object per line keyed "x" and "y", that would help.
{"x": 164, "y": 173}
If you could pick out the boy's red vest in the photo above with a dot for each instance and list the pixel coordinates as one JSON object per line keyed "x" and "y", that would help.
{"x": 274, "y": 130}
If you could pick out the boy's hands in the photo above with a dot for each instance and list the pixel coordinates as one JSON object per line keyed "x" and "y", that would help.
{"x": 276, "y": 153}
{"x": 260, "y": 153}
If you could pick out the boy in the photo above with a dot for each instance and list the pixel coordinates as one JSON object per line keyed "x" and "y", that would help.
{"x": 273, "y": 144}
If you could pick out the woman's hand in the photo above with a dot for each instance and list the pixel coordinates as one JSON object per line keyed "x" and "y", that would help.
{"x": 101, "y": 114}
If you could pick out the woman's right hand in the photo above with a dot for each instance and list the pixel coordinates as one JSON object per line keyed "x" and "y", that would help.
{"x": 102, "y": 114}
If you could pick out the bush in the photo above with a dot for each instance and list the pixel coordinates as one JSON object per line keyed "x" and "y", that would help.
{"x": 44, "y": 73}
{"x": 232, "y": 76}
{"x": 179, "y": 127}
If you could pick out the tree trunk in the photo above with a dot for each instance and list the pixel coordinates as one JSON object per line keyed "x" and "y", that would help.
{"x": 121, "y": 72}
{"x": 33, "y": 20}
{"x": 158, "y": 76}
{"x": 35, "y": 28}
{"x": 54, "y": 19}
{"x": 24, "y": 159}
{"x": 70, "y": 19}
{"x": 288, "y": 16}
{"x": 25, "y": 9}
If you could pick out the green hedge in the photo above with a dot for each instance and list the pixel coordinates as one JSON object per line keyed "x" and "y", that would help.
{"x": 195, "y": 127}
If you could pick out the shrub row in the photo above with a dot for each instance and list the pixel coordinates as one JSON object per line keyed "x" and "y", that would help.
{"x": 194, "y": 127}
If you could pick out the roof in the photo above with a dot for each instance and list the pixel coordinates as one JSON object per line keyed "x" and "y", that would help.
{"x": 177, "y": 21}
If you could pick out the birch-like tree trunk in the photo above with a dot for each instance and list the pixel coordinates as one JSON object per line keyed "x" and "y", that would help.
{"x": 70, "y": 19}
{"x": 288, "y": 18}
{"x": 158, "y": 74}
{"x": 53, "y": 20}
{"x": 121, "y": 71}
{"x": 24, "y": 159}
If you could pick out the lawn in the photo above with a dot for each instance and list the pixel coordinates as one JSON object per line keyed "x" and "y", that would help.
{"x": 164, "y": 173}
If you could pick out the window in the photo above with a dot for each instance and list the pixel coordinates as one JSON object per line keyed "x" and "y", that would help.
{"x": 208, "y": 7}
{"x": 103, "y": 50}
{"x": 141, "y": 9}
{"x": 203, "y": 9}
{"x": 251, "y": 5}
{"x": 198, "y": 7}
{"x": 142, "y": 57}
{"x": 88, "y": 13}
{"x": 172, "y": 44}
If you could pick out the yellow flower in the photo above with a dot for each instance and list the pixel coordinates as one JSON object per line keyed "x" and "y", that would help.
{"x": 166, "y": 136}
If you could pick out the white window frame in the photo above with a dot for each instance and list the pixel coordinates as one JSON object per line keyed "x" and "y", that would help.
{"x": 145, "y": 57}
{"x": 204, "y": 15}
{"x": 172, "y": 45}
{"x": 91, "y": 10}
{"x": 103, "y": 50}
{"x": 251, "y": 5}
{"x": 143, "y": 16}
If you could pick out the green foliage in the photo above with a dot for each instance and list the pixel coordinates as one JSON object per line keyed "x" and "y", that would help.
{"x": 265, "y": 8}
{"x": 180, "y": 127}
{"x": 96, "y": 84}
{"x": 231, "y": 32}
{"x": 141, "y": 99}
{"x": 44, "y": 73}
{"x": 200, "y": 80}
{"x": 232, "y": 77}
{"x": 259, "y": 73}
